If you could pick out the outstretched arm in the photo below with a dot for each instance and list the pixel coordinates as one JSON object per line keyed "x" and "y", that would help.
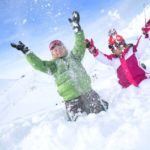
{"x": 79, "y": 47}
{"x": 104, "y": 58}
{"x": 36, "y": 62}
{"x": 48, "y": 67}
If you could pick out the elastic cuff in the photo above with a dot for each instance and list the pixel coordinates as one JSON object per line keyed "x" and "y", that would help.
{"x": 28, "y": 52}
{"x": 77, "y": 29}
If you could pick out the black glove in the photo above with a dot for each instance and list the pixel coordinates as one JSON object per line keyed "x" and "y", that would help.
{"x": 20, "y": 46}
{"x": 75, "y": 21}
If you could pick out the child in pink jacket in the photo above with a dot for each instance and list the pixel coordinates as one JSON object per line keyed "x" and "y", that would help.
{"x": 123, "y": 58}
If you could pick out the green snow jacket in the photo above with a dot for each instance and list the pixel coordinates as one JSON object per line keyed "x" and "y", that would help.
{"x": 70, "y": 76}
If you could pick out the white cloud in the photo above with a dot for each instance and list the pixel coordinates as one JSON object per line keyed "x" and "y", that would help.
{"x": 102, "y": 11}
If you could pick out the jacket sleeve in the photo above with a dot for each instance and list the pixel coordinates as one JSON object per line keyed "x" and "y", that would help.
{"x": 48, "y": 67}
{"x": 79, "y": 48}
{"x": 104, "y": 58}
{"x": 141, "y": 45}
{"x": 100, "y": 56}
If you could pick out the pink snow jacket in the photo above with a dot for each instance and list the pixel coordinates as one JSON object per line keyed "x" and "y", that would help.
{"x": 127, "y": 66}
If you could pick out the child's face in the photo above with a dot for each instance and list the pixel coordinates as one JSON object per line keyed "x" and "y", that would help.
{"x": 58, "y": 51}
{"x": 117, "y": 51}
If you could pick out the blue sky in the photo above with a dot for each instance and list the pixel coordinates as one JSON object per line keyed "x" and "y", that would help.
{"x": 37, "y": 22}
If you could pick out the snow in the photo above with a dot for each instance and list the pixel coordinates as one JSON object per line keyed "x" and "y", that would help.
{"x": 134, "y": 27}
{"x": 24, "y": 21}
{"x": 115, "y": 15}
{"x": 33, "y": 115}
{"x": 34, "y": 120}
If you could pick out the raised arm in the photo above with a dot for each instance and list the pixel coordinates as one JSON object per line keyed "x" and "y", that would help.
{"x": 79, "y": 48}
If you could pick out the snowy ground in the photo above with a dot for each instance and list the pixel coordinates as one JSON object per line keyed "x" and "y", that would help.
{"x": 33, "y": 117}
{"x": 36, "y": 119}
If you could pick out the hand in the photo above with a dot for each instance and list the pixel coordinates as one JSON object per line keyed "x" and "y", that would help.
{"x": 20, "y": 46}
{"x": 88, "y": 44}
{"x": 75, "y": 17}
{"x": 91, "y": 47}
{"x": 93, "y": 50}
{"x": 146, "y": 29}
{"x": 75, "y": 21}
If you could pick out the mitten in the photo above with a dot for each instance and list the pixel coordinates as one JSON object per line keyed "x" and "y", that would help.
{"x": 75, "y": 21}
{"x": 20, "y": 46}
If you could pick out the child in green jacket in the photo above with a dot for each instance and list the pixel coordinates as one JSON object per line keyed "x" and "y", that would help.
{"x": 72, "y": 80}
